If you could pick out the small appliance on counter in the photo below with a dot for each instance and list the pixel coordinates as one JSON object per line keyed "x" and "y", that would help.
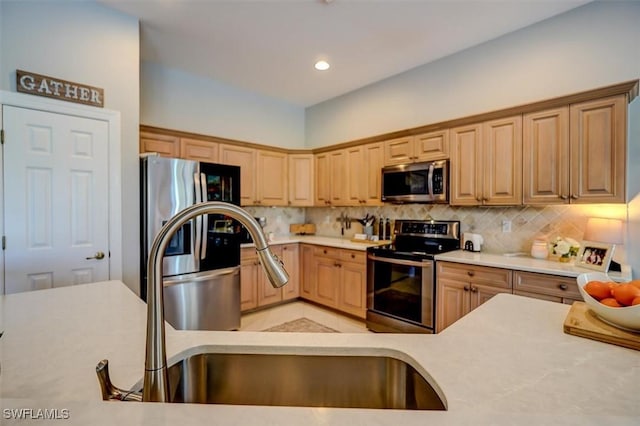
{"x": 472, "y": 242}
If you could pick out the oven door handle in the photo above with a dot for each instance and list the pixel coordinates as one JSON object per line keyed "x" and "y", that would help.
{"x": 420, "y": 264}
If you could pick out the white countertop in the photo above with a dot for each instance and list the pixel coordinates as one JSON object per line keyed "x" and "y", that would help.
{"x": 506, "y": 363}
{"x": 525, "y": 263}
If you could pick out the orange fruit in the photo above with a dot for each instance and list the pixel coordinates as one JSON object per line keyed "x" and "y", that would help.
{"x": 635, "y": 301}
{"x": 610, "y": 301}
{"x": 635, "y": 283}
{"x": 625, "y": 293}
{"x": 597, "y": 289}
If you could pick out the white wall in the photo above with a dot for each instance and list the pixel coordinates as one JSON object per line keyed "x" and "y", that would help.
{"x": 178, "y": 100}
{"x": 588, "y": 47}
{"x": 91, "y": 44}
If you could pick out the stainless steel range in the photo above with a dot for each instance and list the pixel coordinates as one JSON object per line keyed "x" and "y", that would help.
{"x": 401, "y": 276}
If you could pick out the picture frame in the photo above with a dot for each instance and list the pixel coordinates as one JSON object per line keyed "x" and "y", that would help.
{"x": 596, "y": 256}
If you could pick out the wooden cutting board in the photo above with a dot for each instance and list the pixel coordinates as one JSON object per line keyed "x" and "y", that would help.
{"x": 581, "y": 321}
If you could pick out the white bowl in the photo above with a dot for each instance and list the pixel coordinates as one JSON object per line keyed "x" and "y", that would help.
{"x": 627, "y": 317}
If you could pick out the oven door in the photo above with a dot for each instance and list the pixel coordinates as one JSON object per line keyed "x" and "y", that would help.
{"x": 400, "y": 295}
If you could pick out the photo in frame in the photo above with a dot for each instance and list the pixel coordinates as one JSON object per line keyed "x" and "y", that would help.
{"x": 595, "y": 255}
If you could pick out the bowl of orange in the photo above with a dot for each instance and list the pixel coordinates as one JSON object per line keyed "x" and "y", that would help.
{"x": 615, "y": 303}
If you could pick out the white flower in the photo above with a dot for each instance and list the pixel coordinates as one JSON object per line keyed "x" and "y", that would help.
{"x": 562, "y": 247}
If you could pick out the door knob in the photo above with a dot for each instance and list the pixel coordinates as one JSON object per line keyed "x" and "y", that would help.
{"x": 99, "y": 255}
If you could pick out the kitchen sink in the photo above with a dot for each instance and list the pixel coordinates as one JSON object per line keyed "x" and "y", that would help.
{"x": 346, "y": 381}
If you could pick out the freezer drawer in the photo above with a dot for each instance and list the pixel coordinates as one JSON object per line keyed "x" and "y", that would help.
{"x": 203, "y": 301}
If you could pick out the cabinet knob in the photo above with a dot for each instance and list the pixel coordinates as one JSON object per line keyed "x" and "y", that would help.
{"x": 466, "y": 288}
{"x": 324, "y": 251}
{"x": 474, "y": 289}
{"x": 574, "y": 197}
{"x": 478, "y": 199}
{"x": 563, "y": 197}
{"x": 471, "y": 273}
{"x": 353, "y": 256}
{"x": 485, "y": 200}
{"x": 563, "y": 286}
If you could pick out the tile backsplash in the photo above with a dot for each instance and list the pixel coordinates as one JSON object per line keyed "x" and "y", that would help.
{"x": 527, "y": 222}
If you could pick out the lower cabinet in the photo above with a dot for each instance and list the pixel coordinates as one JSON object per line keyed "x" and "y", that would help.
{"x": 255, "y": 288}
{"x": 461, "y": 288}
{"x": 335, "y": 278}
{"x": 546, "y": 287}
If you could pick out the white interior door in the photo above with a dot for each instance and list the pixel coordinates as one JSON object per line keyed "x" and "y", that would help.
{"x": 56, "y": 199}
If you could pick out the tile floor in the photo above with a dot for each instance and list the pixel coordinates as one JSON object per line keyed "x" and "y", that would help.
{"x": 261, "y": 320}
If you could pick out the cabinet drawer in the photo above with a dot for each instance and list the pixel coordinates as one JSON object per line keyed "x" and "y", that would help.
{"x": 495, "y": 277}
{"x": 248, "y": 254}
{"x": 331, "y": 252}
{"x": 550, "y": 285}
{"x": 353, "y": 256}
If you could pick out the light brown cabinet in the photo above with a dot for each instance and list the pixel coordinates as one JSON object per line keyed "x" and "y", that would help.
{"x": 598, "y": 150}
{"x": 301, "y": 180}
{"x": 461, "y": 288}
{"x": 425, "y": 147}
{"x": 486, "y": 163}
{"x": 199, "y": 150}
{"x": 255, "y": 288}
{"x": 546, "y": 287}
{"x": 364, "y": 165}
{"x": 245, "y": 158}
{"x": 545, "y": 167}
{"x": 335, "y": 278}
{"x": 271, "y": 178}
{"x": 576, "y": 154}
{"x": 165, "y": 145}
{"x": 331, "y": 178}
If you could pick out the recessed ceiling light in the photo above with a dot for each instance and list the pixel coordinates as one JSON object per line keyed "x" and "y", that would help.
{"x": 322, "y": 65}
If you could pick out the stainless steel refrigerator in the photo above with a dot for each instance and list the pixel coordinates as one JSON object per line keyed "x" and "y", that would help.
{"x": 201, "y": 265}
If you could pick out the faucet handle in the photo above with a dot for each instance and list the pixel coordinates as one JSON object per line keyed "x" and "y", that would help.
{"x": 110, "y": 392}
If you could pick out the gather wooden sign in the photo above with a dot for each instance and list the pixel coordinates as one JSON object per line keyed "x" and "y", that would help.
{"x": 42, "y": 85}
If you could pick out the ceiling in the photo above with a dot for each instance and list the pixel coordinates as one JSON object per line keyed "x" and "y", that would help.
{"x": 269, "y": 46}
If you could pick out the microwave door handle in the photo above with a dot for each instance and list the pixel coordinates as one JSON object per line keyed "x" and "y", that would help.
{"x": 197, "y": 220}
{"x": 430, "y": 181}
{"x": 205, "y": 217}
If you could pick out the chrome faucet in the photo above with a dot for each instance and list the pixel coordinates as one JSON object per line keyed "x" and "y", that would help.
{"x": 156, "y": 381}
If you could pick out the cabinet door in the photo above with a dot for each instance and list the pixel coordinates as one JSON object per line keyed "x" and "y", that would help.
{"x": 545, "y": 166}
{"x": 323, "y": 179}
{"x": 272, "y": 178}
{"x": 432, "y": 146}
{"x": 245, "y": 158}
{"x": 481, "y": 293}
{"x": 372, "y": 180}
{"x": 165, "y": 145}
{"x": 249, "y": 269}
{"x": 327, "y": 278}
{"x": 301, "y": 174}
{"x": 291, "y": 259}
{"x": 502, "y": 161}
{"x": 452, "y": 302}
{"x": 355, "y": 176}
{"x": 353, "y": 289}
{"x": 466, "y": 165}
{"x": 267, "y": 294}
{"x": 398, "y": 151}
{"x": 199, "y": 150}
{"x": 338, "y": 177}
{"x": 308, "y": 284}
{"x": 598, "y": 152}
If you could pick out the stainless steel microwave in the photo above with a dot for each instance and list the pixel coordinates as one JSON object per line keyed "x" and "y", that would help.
{"x": 426, "y": 182}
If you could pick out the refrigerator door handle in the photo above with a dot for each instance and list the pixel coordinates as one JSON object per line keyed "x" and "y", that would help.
{"x": 198, "y": 219}
{"x": 205, "y": 218}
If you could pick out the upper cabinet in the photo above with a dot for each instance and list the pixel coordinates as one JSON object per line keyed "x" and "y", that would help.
{"x": 331, "y": 183}
{"x": 486, "y": 163}
{"x": 198, "y": 150}
{"x": 425, "y": 147}
{"x": 576, "y": 154}
{"x": 165, "y": 145}
{"x": 272, "y": 178}
{"x": 301, "y": 180}
{"x": 364, "y": 165}
{"x": 245, "y": 158}
{"x": 598, "y": 150}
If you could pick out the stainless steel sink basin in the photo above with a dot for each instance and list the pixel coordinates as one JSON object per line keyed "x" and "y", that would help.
{"x": 301, "y": 380}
